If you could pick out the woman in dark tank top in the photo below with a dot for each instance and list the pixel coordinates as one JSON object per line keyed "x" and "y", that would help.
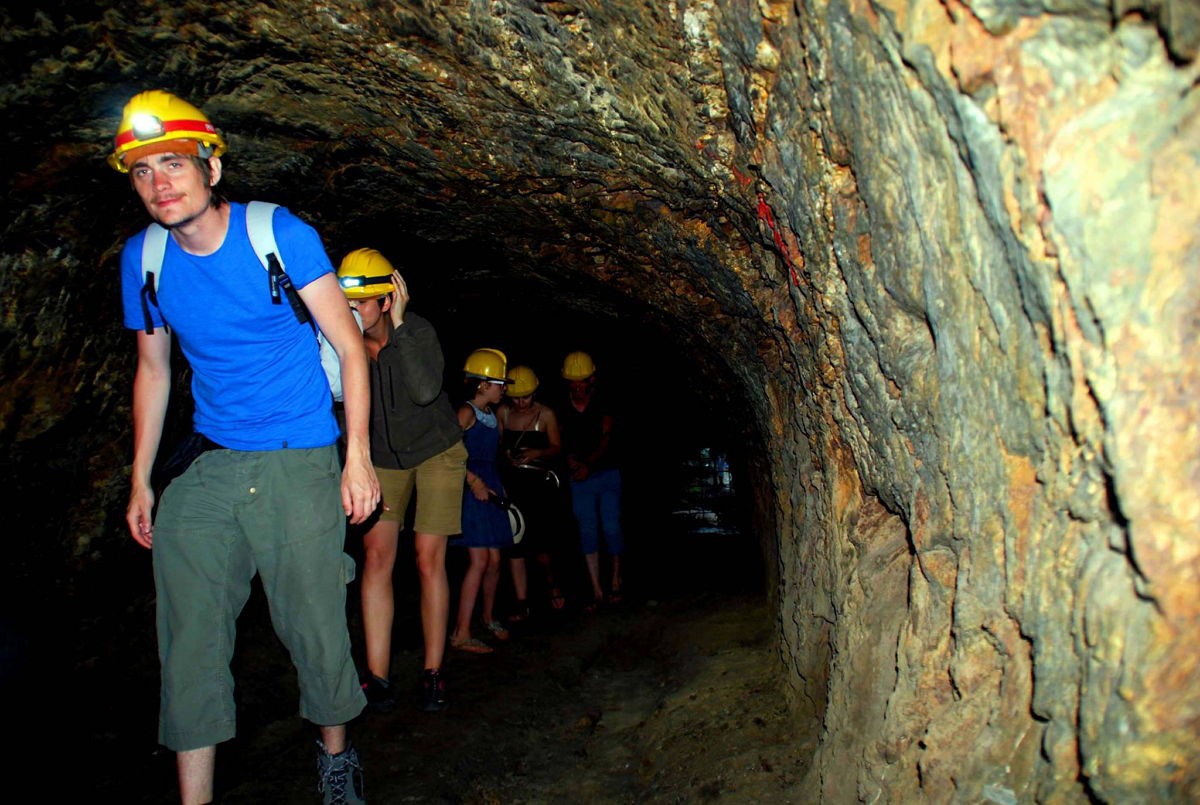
{"x": 531, "y": 446}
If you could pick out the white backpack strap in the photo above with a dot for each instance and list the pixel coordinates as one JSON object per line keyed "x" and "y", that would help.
{"x": 261, "y": 228}
{"x": 154, "y": 250}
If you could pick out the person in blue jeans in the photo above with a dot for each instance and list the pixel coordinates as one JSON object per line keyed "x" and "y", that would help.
{"x": 265, "y": 493}
{"x": 587, "y": 431}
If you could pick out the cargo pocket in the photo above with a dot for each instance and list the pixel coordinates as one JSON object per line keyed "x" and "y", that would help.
{"x": 349, "y": 568}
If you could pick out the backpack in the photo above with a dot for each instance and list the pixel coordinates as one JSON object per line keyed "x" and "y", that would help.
{"x": 261, "y": 229}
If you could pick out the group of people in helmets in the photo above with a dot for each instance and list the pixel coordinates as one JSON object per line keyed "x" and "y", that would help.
{"x": 274, "y": 470}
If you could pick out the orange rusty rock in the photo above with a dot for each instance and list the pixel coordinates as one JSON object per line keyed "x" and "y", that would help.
{"x": 940, "y": 566}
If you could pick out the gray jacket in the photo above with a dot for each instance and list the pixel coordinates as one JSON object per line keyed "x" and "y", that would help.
{"x": 411, "y": 415}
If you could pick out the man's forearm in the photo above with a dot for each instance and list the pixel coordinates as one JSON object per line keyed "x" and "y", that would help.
{"x": 356, "y": 400}
{"x": 151, "y": 392}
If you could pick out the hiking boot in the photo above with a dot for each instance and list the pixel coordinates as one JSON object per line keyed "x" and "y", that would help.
{"x": 340, "y": 776}
{"x": 432, "y": 697}
{"x": 380, "y": 694}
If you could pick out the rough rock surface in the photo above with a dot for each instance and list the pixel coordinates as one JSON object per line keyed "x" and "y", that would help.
{"x": 944, "y": 254}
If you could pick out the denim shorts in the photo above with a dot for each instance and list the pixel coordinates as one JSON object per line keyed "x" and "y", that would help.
{"x": 232, "y": 514}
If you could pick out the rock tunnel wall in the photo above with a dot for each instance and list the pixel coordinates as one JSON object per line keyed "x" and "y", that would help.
{"x": 985, "y": 592}
{"x": 946, "y": 251}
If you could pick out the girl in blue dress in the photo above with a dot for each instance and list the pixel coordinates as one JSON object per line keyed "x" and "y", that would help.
{"x": 485, "y": 526}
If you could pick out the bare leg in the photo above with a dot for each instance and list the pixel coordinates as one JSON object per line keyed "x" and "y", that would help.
{"x": 435, "y": 596}
{"x": 491, "y": 582}
{"x": 520, "y": 577}
{"x": 593, "y": 566}
{"x": 470, "y": 592}
{"x": 196, "y": 767}
{"x": 553, "y": 592}
{"x": 616, "y": 574}
{"x": 334, "y": 739}
{"x": 547, "y": 566}
{"x": 378, "y": 604}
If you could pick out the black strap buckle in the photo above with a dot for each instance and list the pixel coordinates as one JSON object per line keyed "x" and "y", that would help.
{"x": 279, "y": 280}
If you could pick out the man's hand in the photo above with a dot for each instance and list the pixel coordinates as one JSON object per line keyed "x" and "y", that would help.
{"x": 400, "y": 299}
{"x": 579, "y": 470}
{"x": 137, "y": 515}
{"x": 151, "y": 390}
{"x": 360, "y": 489}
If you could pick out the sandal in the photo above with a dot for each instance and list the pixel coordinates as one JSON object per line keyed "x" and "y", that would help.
{"x": 471, "y": 645}
{"x": 614, "y": 597}
{"x": 497, "y": 629}
{"x": 557, "y": 599}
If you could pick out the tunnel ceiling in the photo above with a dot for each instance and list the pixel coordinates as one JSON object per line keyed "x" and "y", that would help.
{"x": 549, "y": 161}
{"x": 539, "y": 141}
{"x": 937, "y": 259}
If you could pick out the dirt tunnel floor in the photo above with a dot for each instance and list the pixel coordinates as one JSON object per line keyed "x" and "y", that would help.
{"x": 670, "y": 697}
{"x": 668, "y": 702}
{"x": 647, "y": 703}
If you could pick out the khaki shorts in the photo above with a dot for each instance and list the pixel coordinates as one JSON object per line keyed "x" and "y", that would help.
{"x": 439, "y": 485}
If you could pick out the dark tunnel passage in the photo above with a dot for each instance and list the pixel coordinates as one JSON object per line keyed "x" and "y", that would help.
{"x": 671, "y": 391}
{"x": 690, "y": 532}
{"x": 924, "y": 273}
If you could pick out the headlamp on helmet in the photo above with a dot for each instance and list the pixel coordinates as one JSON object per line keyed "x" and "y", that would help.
{"x": 157, "y": 121}
{"x": 365, "y": 274}
{"x": 146, "y": 126}
{"x": 350, "y": 283}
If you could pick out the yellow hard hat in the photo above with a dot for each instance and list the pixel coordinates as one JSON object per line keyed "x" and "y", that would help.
{"x": 365, "y": 274}
{"x": 578, "y": 366}
{"x": 487, "y": 364}
{"x": 155, "y": 119}
{"x": 524, "y": 381}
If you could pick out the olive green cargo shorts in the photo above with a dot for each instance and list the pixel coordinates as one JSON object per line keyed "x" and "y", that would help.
{"x": 235, "y": 513}
{"x": 438, "y": 481}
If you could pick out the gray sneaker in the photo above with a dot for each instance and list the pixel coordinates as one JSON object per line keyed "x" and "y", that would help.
{"x": 340, "y": 776}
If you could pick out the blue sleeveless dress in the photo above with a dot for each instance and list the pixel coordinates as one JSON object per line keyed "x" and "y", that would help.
{"x": 484, "y": 524}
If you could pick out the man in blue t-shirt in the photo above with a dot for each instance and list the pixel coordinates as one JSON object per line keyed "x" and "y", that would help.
{"x": 263, "y": 496}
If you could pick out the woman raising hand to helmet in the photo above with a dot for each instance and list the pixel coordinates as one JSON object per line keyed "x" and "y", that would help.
{"x": 416, "y": 447}
{"x": 400, "y": 299}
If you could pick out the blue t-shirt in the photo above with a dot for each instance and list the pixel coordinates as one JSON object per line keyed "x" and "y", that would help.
{"x": 257, "y": 377}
